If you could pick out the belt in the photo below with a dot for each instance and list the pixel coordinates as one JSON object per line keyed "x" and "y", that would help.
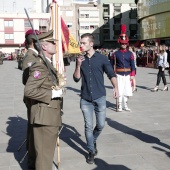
{"x": 123, "y": 69}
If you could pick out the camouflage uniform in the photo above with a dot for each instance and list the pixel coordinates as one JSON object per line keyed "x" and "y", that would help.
{"x": 19, "y": 60}
{"x": 1, "y": 58}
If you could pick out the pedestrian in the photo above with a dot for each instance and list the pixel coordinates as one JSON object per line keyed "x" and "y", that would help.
{"x": 162, "y": 63}
{"x": 1, "y": 58}
{"x": 124, "y": 66}
{"x": 30, "y": 57}
{"x": 46, "y": 99}
{"x": 168, "y": 56}
{"x": 90, "y": 68}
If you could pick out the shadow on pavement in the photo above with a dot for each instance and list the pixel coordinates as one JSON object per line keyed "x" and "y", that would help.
{"x": 72, "y": 137}
{"x": 73, "y": 89}
{"x": 111, "y": 105}
{"x": 136, "y": 133}
{"x": 17, "y": 126}
{"x": 162, "y": 150}
{"x": 143, "y": 87}
{"x": 102, "y": 165}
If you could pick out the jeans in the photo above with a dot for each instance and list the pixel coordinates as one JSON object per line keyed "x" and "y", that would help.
{"x": 161, "y": 74}
{"x": 99, "y": 107}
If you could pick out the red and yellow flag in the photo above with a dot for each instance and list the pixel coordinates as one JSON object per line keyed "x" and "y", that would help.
{"x": 69, "y": 44}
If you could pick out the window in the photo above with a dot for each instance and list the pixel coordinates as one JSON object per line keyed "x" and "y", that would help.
{"x": 8, "y": 23}
{"x": 117, "y": 9}
{"x": 117, "y": 33}
{"x": 27, "y": 24}
{"x": 117, "y": 20}
{"x": 106, "y": 37}
{"x": 133, "y": 27}
{"x": 69, "y": 25}
{"x": 43, "y": 28}
{"x": 133, "y": 14}
{"x": 105, "y": 10}
{"x": 89, "y": 14}
{"x": 105, "y": 31}
{"x": 133, "y": 33}
{"x": 116, "y": 27}
{"x": 106, "y": 20}
{"x": 82, "y": 15}
{"x": 9, "y": 36}
{"x": 84, "y": 27}
{"x": 86, "y": 15}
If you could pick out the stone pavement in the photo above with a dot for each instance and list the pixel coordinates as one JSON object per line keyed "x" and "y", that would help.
{"x": 137, "y": 140}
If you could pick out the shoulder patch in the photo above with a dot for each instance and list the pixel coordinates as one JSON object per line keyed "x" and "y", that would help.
{"x": 37, "y": 74}
{"x": 29, "y": 64}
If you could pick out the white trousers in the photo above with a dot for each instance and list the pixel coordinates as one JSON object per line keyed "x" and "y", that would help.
{"x": 124, "y": 85}
{"x": 125, "y": 89}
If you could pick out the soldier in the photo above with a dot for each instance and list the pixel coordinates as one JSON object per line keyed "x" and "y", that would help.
{"x": 29, "y": 58}
{"x": 45, "y": 112}
{"x": 124, "y": 66}
{"x": 20, "y": 57}
{"x": 1, "y": 58}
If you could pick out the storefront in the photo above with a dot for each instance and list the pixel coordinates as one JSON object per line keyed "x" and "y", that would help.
{"x": 154, "y": 19}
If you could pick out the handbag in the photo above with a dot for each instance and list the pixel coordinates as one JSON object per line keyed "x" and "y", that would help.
{"x": 167, "y": 65}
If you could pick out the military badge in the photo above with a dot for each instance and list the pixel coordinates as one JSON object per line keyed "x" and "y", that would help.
{"x": 29, "y": 64}
{"x": 37, "y": 74}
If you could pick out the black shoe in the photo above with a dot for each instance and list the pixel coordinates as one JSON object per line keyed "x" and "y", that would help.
{"x": 96, "y": 151}
{"x": 90, "y": 158}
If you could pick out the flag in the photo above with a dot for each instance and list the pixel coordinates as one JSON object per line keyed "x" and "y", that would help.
{"x": 69, "y": 44}
{"x": 58, "y": 57}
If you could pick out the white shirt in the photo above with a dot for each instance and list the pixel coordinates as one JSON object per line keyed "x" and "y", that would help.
{"x": 162, "y": 59}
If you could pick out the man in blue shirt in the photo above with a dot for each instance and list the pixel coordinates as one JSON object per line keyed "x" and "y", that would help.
{"x": 91, "y": 68}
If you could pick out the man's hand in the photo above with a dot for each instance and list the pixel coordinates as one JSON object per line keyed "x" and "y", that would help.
{"x": 80, "y": 59}
{"x": 115, "y": 93}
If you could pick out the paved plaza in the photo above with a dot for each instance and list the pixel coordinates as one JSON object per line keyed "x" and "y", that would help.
{"x": 137, "y": 140}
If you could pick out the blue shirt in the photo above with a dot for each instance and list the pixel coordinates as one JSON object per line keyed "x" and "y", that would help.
{"x": 92, "y": 73}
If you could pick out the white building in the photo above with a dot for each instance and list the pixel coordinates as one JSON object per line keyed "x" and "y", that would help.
{"x": 13, "y": 28}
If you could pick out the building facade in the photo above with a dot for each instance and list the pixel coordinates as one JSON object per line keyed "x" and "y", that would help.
{"x": 114, "y": 13}
{"x": 154, "y": 19}
{"x": 102, "y": 18}
{"x": 13, "y": 28}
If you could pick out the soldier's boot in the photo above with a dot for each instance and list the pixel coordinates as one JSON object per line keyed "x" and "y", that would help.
{"x": 126, "y": 108}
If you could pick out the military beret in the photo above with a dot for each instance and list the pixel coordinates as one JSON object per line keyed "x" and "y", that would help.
{"x": 47, "y": 36}
{"x": 30, "y": 31}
